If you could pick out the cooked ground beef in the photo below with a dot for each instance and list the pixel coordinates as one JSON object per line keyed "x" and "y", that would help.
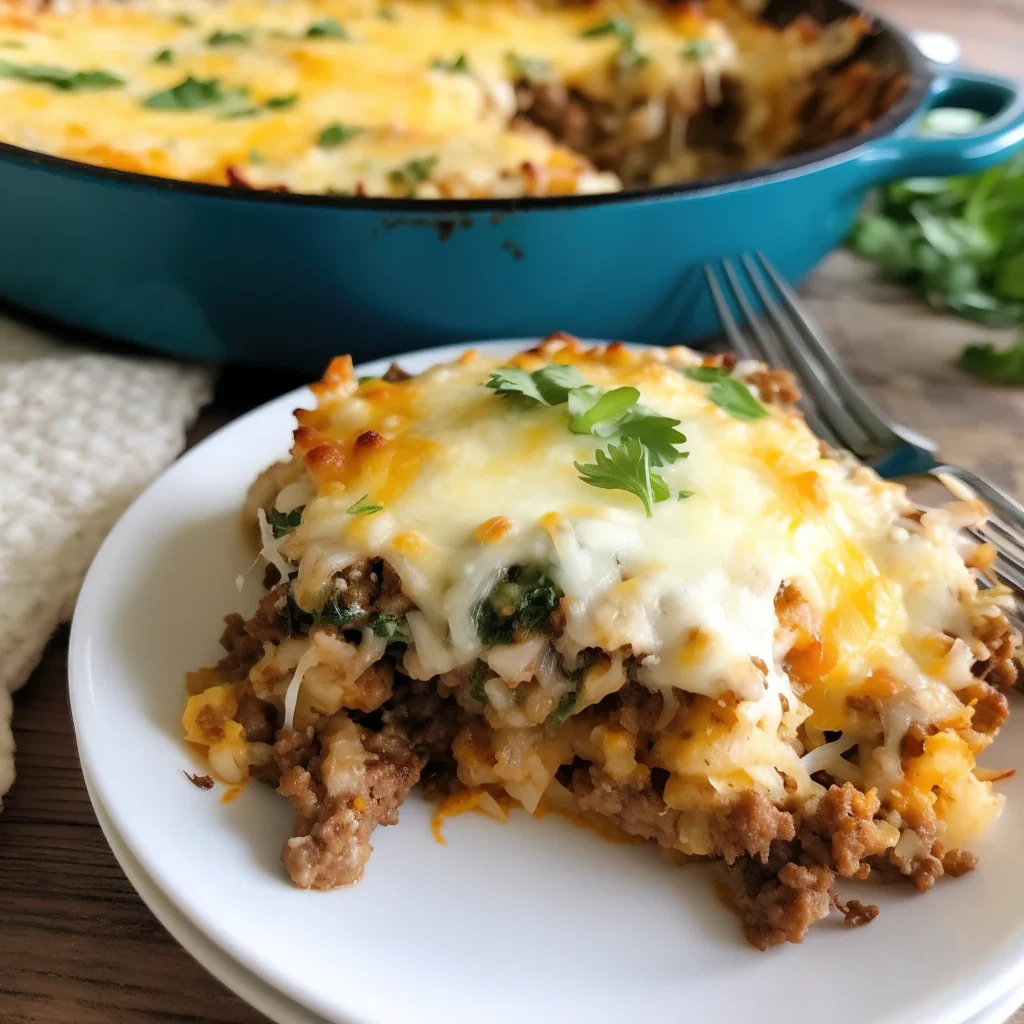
{"x": 268, "y": 624}
{"x": 357, "y": 781}
{"x": 776, "y": 387}
{"x": 958, "y": 862}
{"x": 855, "y": 913}
{"x": 838, "y": 829}
{"x": 243, "y": 650}
{"x": 778, "y": 900}
{"x": 256, "y": 717}
{"x": 633, "y": 807}
{"x": 391, "y": 599}
{"x": 991, "y": 709}
{"x": 395, "y": 374}
{"x": 1004, "y": 645}
{"x": 749, "y": 827}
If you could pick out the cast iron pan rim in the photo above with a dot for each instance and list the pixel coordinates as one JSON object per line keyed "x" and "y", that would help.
{"x": 921, "y": 76}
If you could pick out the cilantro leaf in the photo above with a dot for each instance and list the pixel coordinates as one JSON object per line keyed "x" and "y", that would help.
{"x": 222, "y": 38}
{"x": 326, "y": 28}
{"x": 363, "y": 507}
{"x": 626, "y": 467}
{"x": 564, "y": 709}
{"x": 535, "y": 70}
{"x": 284, "y": 522}
{"x": 697, "y": 49}
{"x": 281, "y": 102}
{"x": 164, "y": 57}
{"x": 337, "y": 134}
{"x": 617, "y": 26}
{"x": 189, "y": 94}
{"x": 510, "y": 380}
{"x": 998, "y": 366}
{"x": 457, "y": 65}
{"x": 657, "y": 433}
{"x": 549, "y": 385}
{"x": 682, "y": 495}
{"x": 412, "y": 173}
{"x": 589, "y": 406}
{"x": 60, "y": 78}
{"x": 727, "y": 392}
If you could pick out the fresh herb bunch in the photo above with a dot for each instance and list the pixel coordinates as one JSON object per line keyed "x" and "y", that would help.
{"x": 959, "y": 241}
{"x": 521, "y": 601}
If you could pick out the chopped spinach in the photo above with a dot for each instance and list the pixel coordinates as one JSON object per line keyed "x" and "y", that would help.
{"x": 388, "y": 627}
{"x": 60, "y": 78}
{"x": 222, "y": 38}
{"x": 164, "y": 57}
{"x": 476, "y": 682}
{"x": 520, "y": 602}
{"x": 326, "y": 28}
{"x": 337, "y": 134}
{"x": 189, "y": 94}
{"x": 412, "y": 173}
{"x": 283, "y": 522}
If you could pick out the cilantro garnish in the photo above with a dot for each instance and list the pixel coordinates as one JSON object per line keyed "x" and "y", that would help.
{"x": 281, "y": 102}
{"x": 337, "y": 134}
{"x": 222, "y": 38}
{"x": 534, "y": 70}
{"x": 619, "y": 27}
{"x": 190, "y": 94}
{"x": 727, "y": 392}
{"x": 626, "y": 467}
{"x": 164, "y": 57}
{"x": 998, "y": 366}
{"x": 629, "y": 58}
{"x": 60, "y": 78}
{"x": 326, "y": 28}
{"x": 589, "y": 406}
{"x": 363, "y": 507}
{"x": 412, "y": 173}
{"x": 548, "y": 386}
{"x": 457, "y": 65}
{"x": 284, "y": 522}
{"x": 697, "y": 49}
{"x": 685, "y": 494}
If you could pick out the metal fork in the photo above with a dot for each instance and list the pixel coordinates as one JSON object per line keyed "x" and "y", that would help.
{"x": 844, "y": 416}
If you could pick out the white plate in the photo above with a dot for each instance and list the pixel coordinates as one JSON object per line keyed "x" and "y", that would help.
{"x": 255, "y": 992}
{"x": 533, "y": 920}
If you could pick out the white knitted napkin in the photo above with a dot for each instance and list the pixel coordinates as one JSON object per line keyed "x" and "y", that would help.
{"x": 81, "y": 433}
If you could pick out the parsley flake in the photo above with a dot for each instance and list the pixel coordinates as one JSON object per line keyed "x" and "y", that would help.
{"x": 222, "y": 38}
{"x": 457, "y": 65}
{"x": 282, "y": 102}
{"x": 412, "y": 173}
{"x": 476, "y": 682}
{"x": 388, "y": 627}
{"x": 618, "y": 26}
{"x": 164, "y": 57}
{"x": 727, "y": 392}
{"x": 364, "y": 507}
{"x": 284, "y": 522}
{"x": 189, "y": 94}
{"x": 697, "y": 49}
{"x": 564, "y": 709}
{"x": 337, "y": 134}
{"x": 626, "y": 467}
{"x": 683, "y": 495}
{"x": 60, "y": 78}
{"x": 549, "y": 385}
{"x": 534, "y": 70}
{"x": 326, "y": 28}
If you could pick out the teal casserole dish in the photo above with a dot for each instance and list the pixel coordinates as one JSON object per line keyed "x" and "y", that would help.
{"x": 227, "y": 274}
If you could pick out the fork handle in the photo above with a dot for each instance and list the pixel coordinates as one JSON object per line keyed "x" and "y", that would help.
{"x": 1006, "y": 508}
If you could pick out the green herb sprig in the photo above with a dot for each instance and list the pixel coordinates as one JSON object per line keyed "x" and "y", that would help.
{"x": 626, "y": 467}
{"x": 727, "y": 392}
{"x": 284, "y": 522}
{"x": 60, "y": 78}
{"x": 458, "y": 65}
{"x": 326, "y": 28}
{"x": 364, "y": 507}
{"x": 337, "y": 134}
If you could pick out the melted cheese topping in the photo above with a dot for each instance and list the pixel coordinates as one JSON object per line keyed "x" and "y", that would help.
{"x": 381, "y": 77}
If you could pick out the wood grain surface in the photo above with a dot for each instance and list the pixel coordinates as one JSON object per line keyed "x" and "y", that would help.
{"x": 78, "y": 946}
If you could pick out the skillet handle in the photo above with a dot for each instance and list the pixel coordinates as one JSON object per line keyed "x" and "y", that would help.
{"x": 905, "y": 154}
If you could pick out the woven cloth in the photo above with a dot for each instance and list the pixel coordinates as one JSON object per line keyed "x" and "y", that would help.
{"x": 81, "y": 433}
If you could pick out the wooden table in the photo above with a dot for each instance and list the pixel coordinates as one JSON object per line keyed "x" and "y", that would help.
{"x": 77, "y": 946}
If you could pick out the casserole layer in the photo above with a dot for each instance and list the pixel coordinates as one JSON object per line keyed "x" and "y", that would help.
{"x": 629, "y": 586}
{"x": 424, "y": 98}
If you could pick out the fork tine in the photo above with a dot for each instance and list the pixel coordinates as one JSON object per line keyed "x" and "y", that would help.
{"x": 732, "y": 331}
{"x": 1008, "y": 567}
{"x": 771, "y": 352}
{"x": 868, "y": 415}
{"x": 962, "y": 483}
{"x": 812, "y": 376}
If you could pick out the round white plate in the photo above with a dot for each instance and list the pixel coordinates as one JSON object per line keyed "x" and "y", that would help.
{"x": 243, "y": 983}
{"x": 531, "y": 920}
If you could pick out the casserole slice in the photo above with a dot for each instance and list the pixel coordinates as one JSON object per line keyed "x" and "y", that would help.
{"x": 629, "y": 586}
